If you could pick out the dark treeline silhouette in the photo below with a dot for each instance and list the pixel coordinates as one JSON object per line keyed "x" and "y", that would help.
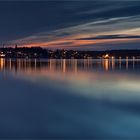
{"x": 38, "y": 52}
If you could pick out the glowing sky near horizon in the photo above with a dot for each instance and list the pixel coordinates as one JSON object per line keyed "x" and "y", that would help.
{"x": 97, "y": 25}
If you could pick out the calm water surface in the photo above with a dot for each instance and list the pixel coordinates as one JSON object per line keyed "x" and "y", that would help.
{"x": 69, "y": 98}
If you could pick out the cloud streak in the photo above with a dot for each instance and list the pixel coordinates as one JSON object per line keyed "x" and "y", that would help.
{"x": 110, "y": 37}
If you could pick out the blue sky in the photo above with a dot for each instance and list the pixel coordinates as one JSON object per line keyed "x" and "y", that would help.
{"x": 79, "y": 24}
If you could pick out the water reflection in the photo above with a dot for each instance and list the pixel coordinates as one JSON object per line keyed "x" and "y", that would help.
{"x": 76, "y": 99}
{"x": 72, "y": 65}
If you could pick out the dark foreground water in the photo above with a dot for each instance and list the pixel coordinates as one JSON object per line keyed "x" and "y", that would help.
{"x": 75, "y": 99}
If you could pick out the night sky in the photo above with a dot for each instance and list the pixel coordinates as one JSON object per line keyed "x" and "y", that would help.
{"x": 81, "y": 24}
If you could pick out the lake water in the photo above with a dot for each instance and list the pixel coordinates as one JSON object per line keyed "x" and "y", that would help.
{"x": 75, "y": 99}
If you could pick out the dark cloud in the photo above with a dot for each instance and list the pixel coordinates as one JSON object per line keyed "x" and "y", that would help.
{"x": 110, "y": 37}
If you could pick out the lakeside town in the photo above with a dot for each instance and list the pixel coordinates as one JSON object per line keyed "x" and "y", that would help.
{"x": 38, "y": 52}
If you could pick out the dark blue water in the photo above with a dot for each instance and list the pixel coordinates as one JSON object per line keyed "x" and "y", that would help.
{"x": 75, "y": 99}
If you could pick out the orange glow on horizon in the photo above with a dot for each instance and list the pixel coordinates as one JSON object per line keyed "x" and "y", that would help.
{"x": 68, "y": 42}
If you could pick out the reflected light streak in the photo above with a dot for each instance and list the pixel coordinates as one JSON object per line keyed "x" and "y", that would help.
{"x": 127, "y": 63}
{"x": 133, "y": 62}
{"x": 120, "y": 62}
{"x": 2, "y": 64}
{"x": 106, "y": 64}
{"x": 64, "y": 65}
{"x": 113, "y": 64}
{"x": 58, "y": 67}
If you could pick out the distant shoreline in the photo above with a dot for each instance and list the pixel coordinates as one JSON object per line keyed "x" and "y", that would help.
{"x": 38, "y": 53}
